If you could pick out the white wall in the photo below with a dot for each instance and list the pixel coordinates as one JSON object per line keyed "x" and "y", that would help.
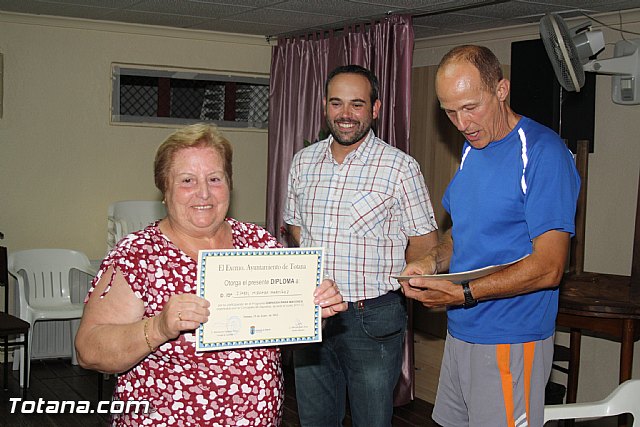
{"x": 61, "y": 160}
{"x": 613, "y": 182}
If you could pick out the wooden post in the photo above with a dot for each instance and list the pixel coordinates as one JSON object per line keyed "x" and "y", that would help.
{"x": 576, "y": 262}
{"x": 4, "y": 277}
{"x": 635, "y": 260}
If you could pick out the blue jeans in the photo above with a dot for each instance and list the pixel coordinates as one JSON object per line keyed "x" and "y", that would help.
{"x": 360, "y": 353}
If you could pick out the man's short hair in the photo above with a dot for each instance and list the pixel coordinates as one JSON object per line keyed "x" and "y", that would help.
{"x": 480, "y": 57}
{"x": 356, "y": 69}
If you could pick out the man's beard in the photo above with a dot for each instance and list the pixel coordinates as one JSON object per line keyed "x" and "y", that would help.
{"x": 361, "y": 132}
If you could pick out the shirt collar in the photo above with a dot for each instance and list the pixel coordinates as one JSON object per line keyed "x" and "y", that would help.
{"x": 361, "y": 154}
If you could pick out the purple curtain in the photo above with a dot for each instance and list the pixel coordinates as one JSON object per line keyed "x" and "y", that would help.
{"x": 298, "y": 71}
{"x": 299, "y": 67}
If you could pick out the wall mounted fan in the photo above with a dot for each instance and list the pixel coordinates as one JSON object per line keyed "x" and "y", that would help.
{"x": 569, "y": 51}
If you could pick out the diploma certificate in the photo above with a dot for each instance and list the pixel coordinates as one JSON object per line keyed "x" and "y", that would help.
{"x": 259, "y": 297}
{"x": 463, "y": 275}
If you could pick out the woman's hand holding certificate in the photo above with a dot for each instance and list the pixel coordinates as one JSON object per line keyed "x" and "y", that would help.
{"x": 328, "y": 296}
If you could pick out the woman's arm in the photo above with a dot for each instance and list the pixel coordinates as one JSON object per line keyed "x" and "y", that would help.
{"x": 114, "y": 336}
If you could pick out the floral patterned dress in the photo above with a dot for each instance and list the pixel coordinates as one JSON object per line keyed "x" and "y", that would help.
{"x": 187, "y": 388}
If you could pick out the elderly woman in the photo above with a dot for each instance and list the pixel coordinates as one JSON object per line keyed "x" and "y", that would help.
{"x": 142, "y": 310}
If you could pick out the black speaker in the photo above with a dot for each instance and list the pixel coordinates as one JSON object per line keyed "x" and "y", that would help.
{"x": 536, "y": 93}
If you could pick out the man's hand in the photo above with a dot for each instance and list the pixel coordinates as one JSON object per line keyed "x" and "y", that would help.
{"x": 433, "y": 293}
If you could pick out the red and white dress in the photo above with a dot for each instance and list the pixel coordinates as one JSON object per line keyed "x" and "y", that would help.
{"x": 241, "y": 387}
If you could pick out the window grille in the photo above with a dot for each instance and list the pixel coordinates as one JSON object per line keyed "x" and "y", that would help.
{"x": 181, "y": 97}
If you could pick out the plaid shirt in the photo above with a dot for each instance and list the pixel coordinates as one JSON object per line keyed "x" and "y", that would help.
{"x": 361, "y": 211}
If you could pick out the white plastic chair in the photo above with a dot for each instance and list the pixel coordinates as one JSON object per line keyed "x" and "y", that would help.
{"x": 44, "y": 291}
{"x": 127, "y": 216}
{"x": 625, "y": 399}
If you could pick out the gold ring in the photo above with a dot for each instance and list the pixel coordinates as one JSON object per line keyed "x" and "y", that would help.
{"x": 180, "y": 316}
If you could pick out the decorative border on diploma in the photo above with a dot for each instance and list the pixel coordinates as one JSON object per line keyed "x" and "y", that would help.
{"x": 317, "y": 334}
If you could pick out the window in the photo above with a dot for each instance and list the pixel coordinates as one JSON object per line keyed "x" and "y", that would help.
{"x": 168, "y": 97}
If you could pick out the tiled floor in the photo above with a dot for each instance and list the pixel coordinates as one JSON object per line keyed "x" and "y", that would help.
{"x": 59, "y": 380}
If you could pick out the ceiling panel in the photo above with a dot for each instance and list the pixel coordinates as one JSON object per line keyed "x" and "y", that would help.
{"x": 190, "y": 8}
{"x": 338, "y": 8}
{"x": 286, "y": 17}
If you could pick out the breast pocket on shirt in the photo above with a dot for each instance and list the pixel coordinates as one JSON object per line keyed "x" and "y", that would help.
{"x": 369, "y": 213}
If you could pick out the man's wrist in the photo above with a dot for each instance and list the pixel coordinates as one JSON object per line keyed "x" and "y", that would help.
{"x": 469, "y": 300}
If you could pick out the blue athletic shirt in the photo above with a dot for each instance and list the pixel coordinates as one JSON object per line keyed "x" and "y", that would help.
{"x": 500, "y": 199}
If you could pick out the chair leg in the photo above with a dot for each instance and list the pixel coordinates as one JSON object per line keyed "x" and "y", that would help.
{"x": 18, "y": 358}
{"x": 25, "y": 366}
{"x": 74, "y": 325}
{"x": 25, "y": 378}
{"x": 574, "y": 365}
{"x": 5, "y": 366}
{"x": 27, "y": 360}
{"x": 575, "y": 339}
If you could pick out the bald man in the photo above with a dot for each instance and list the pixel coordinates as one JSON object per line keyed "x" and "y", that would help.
{"x": 513, "y": 196}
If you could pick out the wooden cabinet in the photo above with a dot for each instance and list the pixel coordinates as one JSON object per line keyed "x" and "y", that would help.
{"x": 436, "y": 145}
{"x": 434, "y": 142}
{"x": 428, "y": 356}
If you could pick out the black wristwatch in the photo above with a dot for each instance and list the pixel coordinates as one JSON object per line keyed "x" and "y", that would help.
{"x": 469, "y": 300}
